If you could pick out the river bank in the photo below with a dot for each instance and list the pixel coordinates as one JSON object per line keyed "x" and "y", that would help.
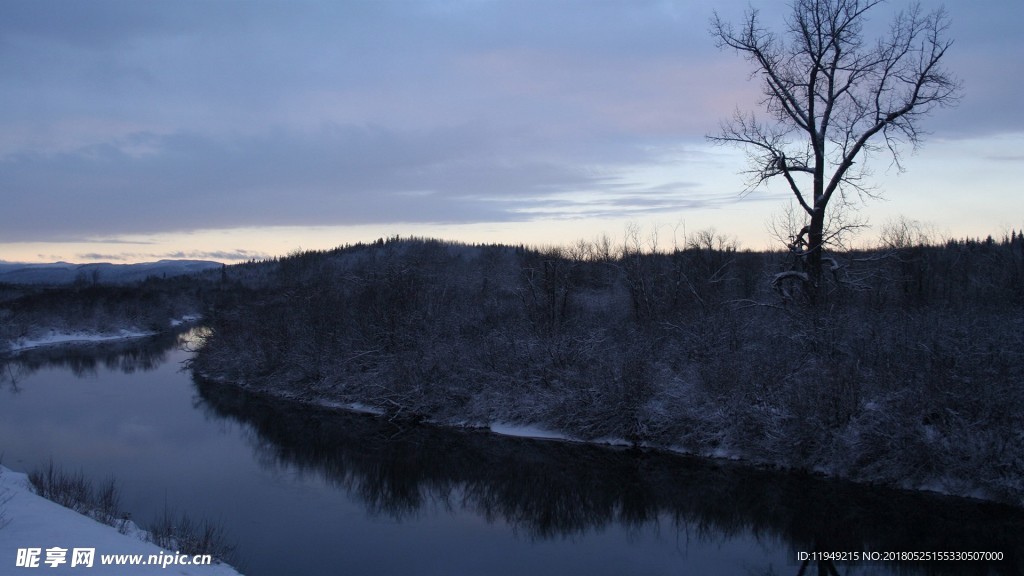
{"x": 34, "y": 530}
{"x": 301, "y": 490}
{"x": 907, "y": 375}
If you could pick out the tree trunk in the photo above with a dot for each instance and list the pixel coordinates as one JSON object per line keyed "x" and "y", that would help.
{"x": 815, "y": 241}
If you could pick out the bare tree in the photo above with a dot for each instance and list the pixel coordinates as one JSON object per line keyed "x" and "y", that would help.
{"x": 831, "y": 96}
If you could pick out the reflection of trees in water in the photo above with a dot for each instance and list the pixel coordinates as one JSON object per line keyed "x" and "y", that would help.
{"x": 84, "y": 359}
{"x": 553, "y": 489}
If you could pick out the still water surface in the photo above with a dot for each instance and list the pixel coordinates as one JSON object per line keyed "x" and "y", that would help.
{"x": 303, "y": 491}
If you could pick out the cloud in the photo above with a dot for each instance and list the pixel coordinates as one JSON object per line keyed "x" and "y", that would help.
{"x": 124, "y": 117}
{"x": 336, "y": 175}
{"x": 1012, "y": 158}
{"x": 237, "y": 255}
{"x": 99, "y": 256}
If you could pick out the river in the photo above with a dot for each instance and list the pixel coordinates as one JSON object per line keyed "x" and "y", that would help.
{"x": 310, "y": 491}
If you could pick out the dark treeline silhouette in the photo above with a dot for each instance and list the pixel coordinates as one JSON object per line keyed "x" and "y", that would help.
{"x": 32, "y": 311}
{"x": 905, "y": 370}
{"x": 556, "y": 490}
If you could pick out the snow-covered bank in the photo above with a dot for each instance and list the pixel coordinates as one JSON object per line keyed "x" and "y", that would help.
{"x": 526, "y": 431}
{"x": 54, "y": 337}
{"x": 32, "y": 522}
{"x": 912, "y": 379}
{"x": 949, "y": 486}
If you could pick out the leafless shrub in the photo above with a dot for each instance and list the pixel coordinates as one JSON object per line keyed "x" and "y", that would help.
{"x": 171, "y": 531}
{"x": 67, "y": 489}
{"x": 5, "y": 497}
{"x": 180, "y": 533}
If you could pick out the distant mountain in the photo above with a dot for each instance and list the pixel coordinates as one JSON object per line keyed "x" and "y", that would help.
{"x": 104, "y": 273}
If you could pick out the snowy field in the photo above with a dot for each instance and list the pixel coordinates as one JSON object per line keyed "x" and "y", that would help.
{"x": 28, "y": 521}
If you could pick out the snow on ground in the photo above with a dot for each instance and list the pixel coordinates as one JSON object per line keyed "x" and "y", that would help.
{"x": 29, "y": 521}
{"x": 352, "y": 407}
{"x": 539, "y": 433}
{"x": 54, "y": 337}
{"x": 526, "y": 431}
{"x": 185, "y": 319}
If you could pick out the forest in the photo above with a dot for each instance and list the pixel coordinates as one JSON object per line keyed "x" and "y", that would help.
{"x": 904, "y": 369}
{"x": 31, "y": 311}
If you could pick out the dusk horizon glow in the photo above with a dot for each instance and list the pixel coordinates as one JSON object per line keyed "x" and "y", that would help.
{"x": 232, "y": 131}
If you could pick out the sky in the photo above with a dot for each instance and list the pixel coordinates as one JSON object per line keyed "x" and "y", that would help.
{"x": 136, "y": 130}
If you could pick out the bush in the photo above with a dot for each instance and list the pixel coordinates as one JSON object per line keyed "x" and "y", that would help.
{"x": 171, "y": 531}
{"x": 74, "y": 491}
{"x": 180, "y": 533}
{"x": 4, "y": 499}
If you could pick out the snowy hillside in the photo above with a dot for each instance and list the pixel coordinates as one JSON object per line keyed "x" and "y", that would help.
{"x": 66, "y": 273}
{"x": 35, "y": 531}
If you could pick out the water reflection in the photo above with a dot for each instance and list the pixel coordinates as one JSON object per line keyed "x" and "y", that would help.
{"x": 84, "y": 359}
{"x": 545, "y": 491}
{"x": 550, "y": 490}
